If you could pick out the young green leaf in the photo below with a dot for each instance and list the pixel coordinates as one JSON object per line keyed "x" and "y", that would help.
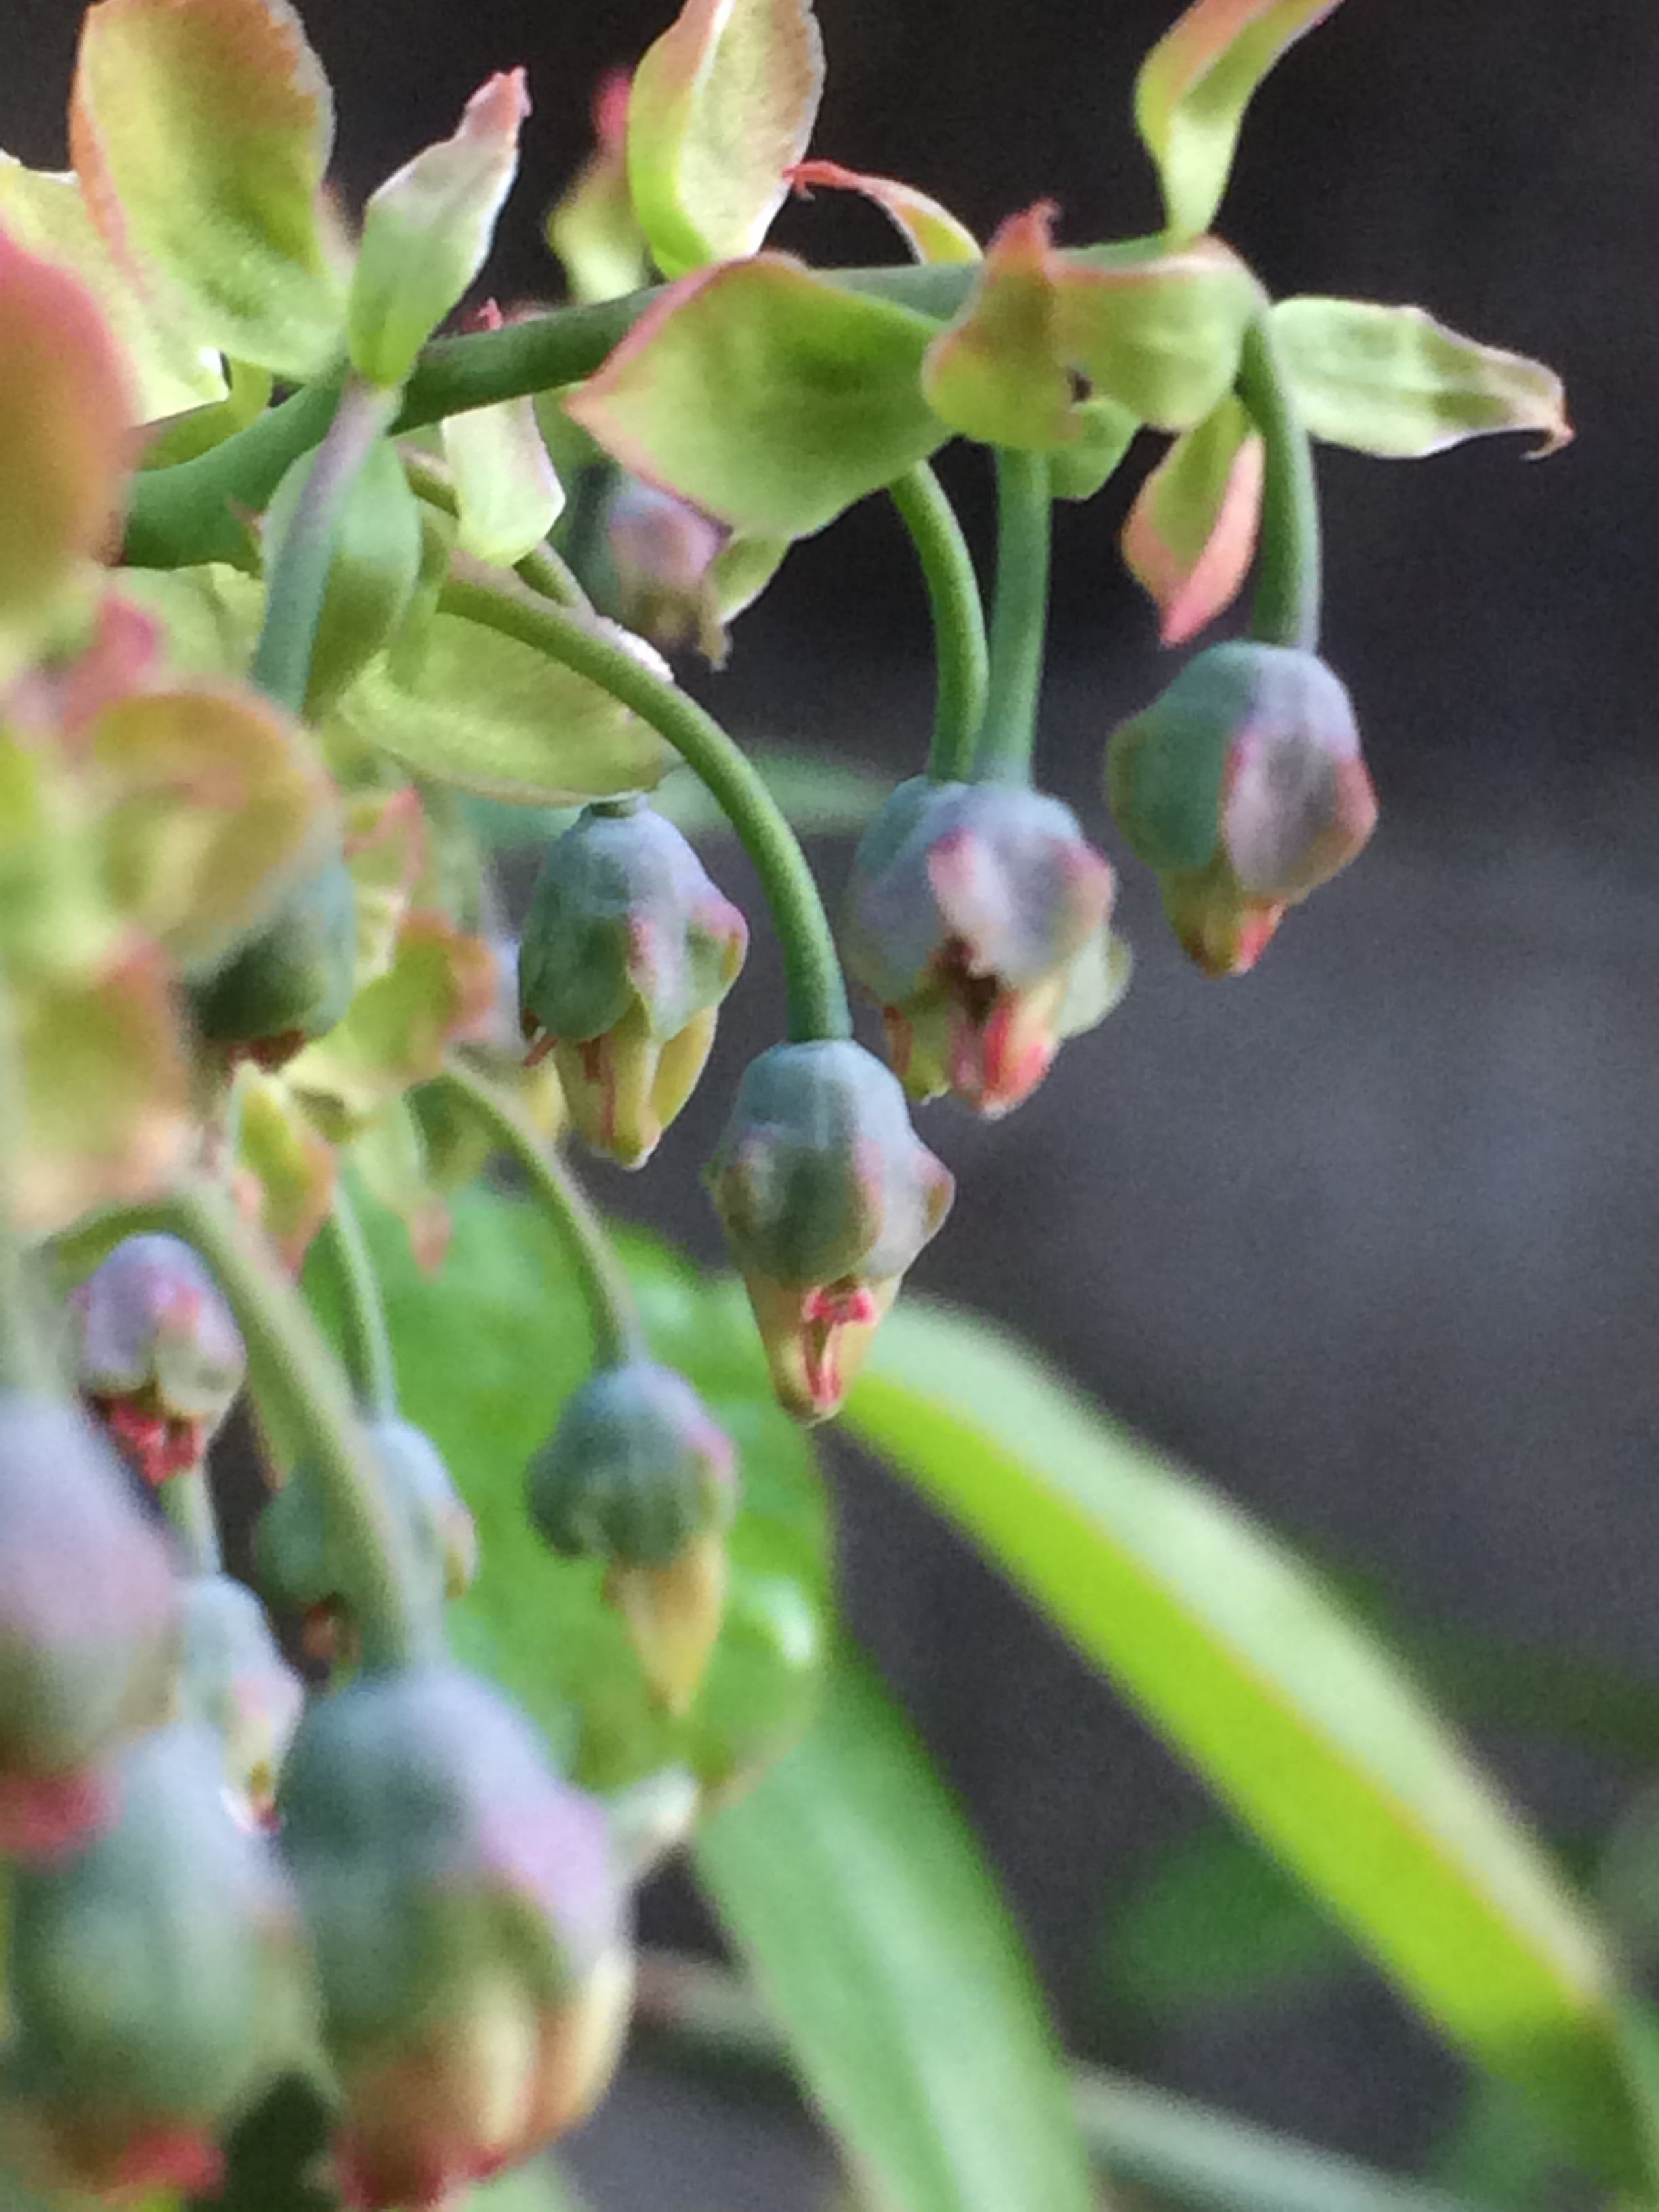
{"x": 932, "y": 231}
{"x": 509, "y": 496}
{"x": 879, "y": 1942}
{"x": 1105, "y": 433}
{"x": 1159, "y": 332}
{"x": 44, "y": 214}
{"x": 427, "y": 232}
{"x": 1393, "y": 382}
{"x": 997, "y": 373}
{"x": 765, "y": 396}
{"x": 1298, "y": 1719}
{"x": 373, "y": 575}
{"x": 1190, "y": 535}
{"x": 593, "y": 229}
{"x": 201, "y": 135}
{"x": 1192, "y": 90}
{"x": 722, "y": 108}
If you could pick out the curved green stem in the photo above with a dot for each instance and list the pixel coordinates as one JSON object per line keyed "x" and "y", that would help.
{"x": 617, "y": 1331}
{"x": 541, "y": 568}
{"x": 368, "y": 1341}
{"x": 1019, "y": 615}
{"x": 187, "y": 1501}
{"x": 1286, "y": 609}
{"x": 817, "y": 995}
{"x": 298, "y": 570}
{"x": 958, "y": 619}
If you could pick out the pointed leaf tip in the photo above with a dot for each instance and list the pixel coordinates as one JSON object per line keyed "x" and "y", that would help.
{"x": 1190, "y": 535}
{"x": 931, "y": 231}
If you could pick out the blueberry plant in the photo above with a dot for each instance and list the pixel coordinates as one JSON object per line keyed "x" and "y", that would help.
{"x": 318, "y": 1882}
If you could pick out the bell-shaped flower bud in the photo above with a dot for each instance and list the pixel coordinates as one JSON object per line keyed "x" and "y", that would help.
{"x": 157, "y": 1351}
{"x": 467, "y": 1919}
{"x": 89, "y": 1622}
{"x": 975, "y": 910}
{"x": 235, "y": 1682}
{"x": 664, "y": 551}
{"x": 827, "y": 1195}
{"x": 301, "y": 1562}
{"x": 626, "y": 952}
{"x": 292, "y": 980}
{"x": 1244, "y": 788}
{"x": 158, "y": 1982}
{"x": 638, "y": 1472}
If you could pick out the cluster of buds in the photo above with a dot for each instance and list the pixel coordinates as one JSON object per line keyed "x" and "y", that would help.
{"x": 1244, "y": 788}
{"x": 639, "y": 1474}
{"x": 977, "y": 921}
{"x": 627, "y": 953}
{"x": 158, "y": 1353}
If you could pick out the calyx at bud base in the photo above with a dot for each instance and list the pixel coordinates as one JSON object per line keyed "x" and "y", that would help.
{"x": 827, "y": 1195}
{"x": 1244, "y": 788}
{"x": 466, "y": 1913}
{"x": 627, "y": 950}
{"x": 158, "y": 1352}
{"x": 976, "y": 921}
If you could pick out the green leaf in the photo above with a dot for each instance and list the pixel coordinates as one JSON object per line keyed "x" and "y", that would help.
{"x": 201, "y": 135}
{"x": 721, "y": 107}
{"x": 1105, "y": 433}
{"x": 765, "y": 396}
{"x": 1393, "y": 382}
{"x": 1193, "y": 86}
{"x": 488, "y": 715}
{"x": 931, "y": 231}
{"x": 540, "y": 2186}
{"x": 488, "y": 1350}
{"x": 509, "y": 496}
{"x": 428, "y": 230}
{"x": 593, "y": 228}
{"x": 996, "y": 373}
{"x": 1159, "y": 332}
{"x": 879, "y": 1942}
{"x": 44, "y": 214}
{"x": 1298, "y": 1719}
{"x": 209, "y": 616}
{"x": 1190, "y": 535}
{"x": 373, "y": 575}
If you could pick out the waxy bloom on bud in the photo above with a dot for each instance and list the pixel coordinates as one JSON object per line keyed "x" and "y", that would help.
{"x": 157, "y": 1351}
{"x": 1244, "y": 788}
{"x": 827, "y": 1195}
{"x": 89, "y": 1622}
{"x": 664, "y": 551}
{"x": 639, "y": 1473}
{"x": 627, "y": 950}
{"x": 236, "y": 1682}
{"x": 467, "y": 1915}
{"x": 976, "y": 922}
{"x": 158, "y": 1984}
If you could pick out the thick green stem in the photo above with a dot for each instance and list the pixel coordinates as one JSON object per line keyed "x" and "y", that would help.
{"x": 368, "y": 1342}
{"x": 1019, "y": 617}
{"x": 958, "y": 619}
{"x": 540, "y": 567}
{"x": 1286, "y": 609}
{"x": 297, "y": 575}
{"x": 817, "y": 995}
{"x": 617, "y": 1331}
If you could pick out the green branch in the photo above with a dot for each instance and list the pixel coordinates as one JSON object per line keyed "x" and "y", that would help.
{"x": 1019, "y": 615}
{"x": 619, "y": 1333}
{"x": 817, "y": 995}
{"x": 1286, "y": 609}
{"x": 368, "y": 1341}
{"x": 958, "y": 619}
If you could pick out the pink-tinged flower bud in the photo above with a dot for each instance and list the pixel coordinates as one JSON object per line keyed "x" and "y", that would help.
{"x": 977, "y": 921}
{"x": 664, "y": 551}
{"x": 89, "y": 1622}
{"x": 236, "y": 1682}
{"x": 827, "y": 1195}
{"x": 639, "y": 1473}
{"x": 1244, "y": 788}
{"x": 158, "y": 1982}
{"x": 467, "y": 1918}
{"x": 158, "y": 1353}
{"x": 627, "y": 950}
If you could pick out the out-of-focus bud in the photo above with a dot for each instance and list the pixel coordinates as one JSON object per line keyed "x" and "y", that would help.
{"x": 827, "y": 1195}
{"x": 292, "y": 981}
{"x": 299, "y": 1562}
{"x": 1244, "y": 788}
{"x": 664, "y": 551}
{"x": 236, "y": 1682}
{"x": 467, "y": 1919}
{"x": 626, "y": 952}
{"x": 89, "y": 1622}
{"x": 158, "y": 1982}
{"x": 974, "y": 908}
{"x": 158, "y": 1352}
{"x": 638, "y": 1472}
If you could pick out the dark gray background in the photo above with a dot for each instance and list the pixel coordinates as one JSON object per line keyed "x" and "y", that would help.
{"x": 1373, "y": 1237}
